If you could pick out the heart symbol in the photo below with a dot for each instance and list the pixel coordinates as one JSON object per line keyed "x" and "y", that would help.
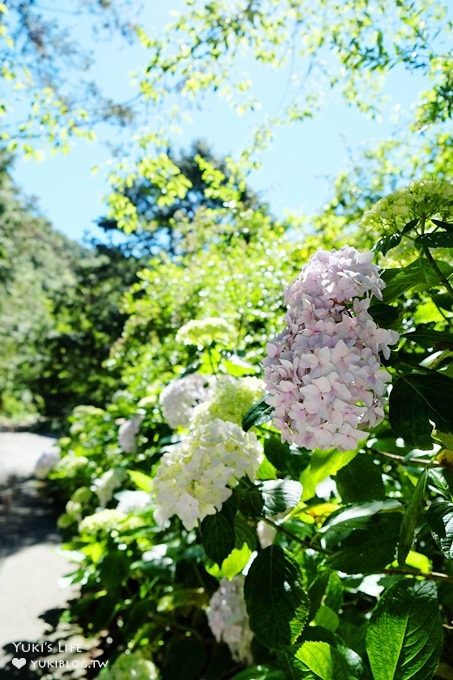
{"x": 19, "y": 662}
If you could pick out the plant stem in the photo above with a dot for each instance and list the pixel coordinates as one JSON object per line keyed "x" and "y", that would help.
{"x": 294, "y": 537}
{"x": 431, "y": 576}
{"x": 424, "y": 462}
{"x": 440, "y": 275}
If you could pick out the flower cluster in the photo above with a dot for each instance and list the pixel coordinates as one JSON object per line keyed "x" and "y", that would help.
{"x": 228, "y": 620}
{"x": 231, "y": 398}
{"x": 204, "y": 332}
{"x": 195, "y": 477}
{"x": 105, "y": 485}
{"x": 128, "y": 432}
{"x": 132, "y": 501}
{"x": 103, "y": 520}
{"x": 71, "y": 465}
{"x": 180, "y": 397}
{"x": 323, "y": 372}
{"x": 45, "y": 463}
{"x": 131, "y": 667}
{"x": 419, "y": 201}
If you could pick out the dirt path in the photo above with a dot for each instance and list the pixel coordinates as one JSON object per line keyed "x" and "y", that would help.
{"x": 32, "y": 570}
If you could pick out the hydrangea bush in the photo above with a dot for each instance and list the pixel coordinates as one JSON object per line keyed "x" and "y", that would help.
{"x": 284, "y": 506}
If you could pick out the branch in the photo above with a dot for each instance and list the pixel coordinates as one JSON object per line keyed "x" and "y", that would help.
{"x": 424, "y": 462}
{"x": 431, "y": 576}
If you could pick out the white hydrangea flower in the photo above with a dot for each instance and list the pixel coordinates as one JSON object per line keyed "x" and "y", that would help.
{"x": 131, "y": 501}
{"x": 45, "y": 463}
{"x": 105, "y": 485}
{"x": 102, "y": 520}
{"x": 228, "y": 620}
{"x": 70, "y": 465}
{"x": 127, "y": 433}
{"x": 323, "y": 372}
{"x": 230, "y": 400}
{"x": 131, "y": 667}
{"x": 181, "y": 396}
{"x": 203, "y": 332}
{"x": 195, "y": 477}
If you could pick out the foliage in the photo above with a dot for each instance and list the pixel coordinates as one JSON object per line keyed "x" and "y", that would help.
{"x": 344, "y": 552}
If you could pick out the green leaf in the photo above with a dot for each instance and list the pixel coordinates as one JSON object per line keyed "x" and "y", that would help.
{"x": 410, "y": 225}
{"x": 350, "y": 480}
{"x": 416, "y": 275}
{"x": 440, "y": 520}
{"x": 231, "y": 565}
{"x": 277, "y": 603}
{"x": 443, "y": 225}
{"x": 435, "y": 240}
{"x": 287, "y": 459}
{"x": 367, "y": 550}
{"x": 323, "y": 464}
{"x": 404, "y": 639}
{"x": 386, "y": 243}
{"x": 411, "y": 519}
{"x": 279, "y": 495}
{"x": 384, "y": 315}
{"x": 218, "y": 536}
{"x": 319, "y": 660}
{"x": 357, "y": 515}
{"x": 257, "y": 415}
{"x": 141, "y": 481}
{"x": 415, "y": 400}
{"x": 430, "y": 338}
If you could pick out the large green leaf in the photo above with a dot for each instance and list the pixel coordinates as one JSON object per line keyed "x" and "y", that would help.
{"x": 426, "y": 337}
{"x": 416, "y": 276}
{"x": 287, "y": 459}
{"x": 218, "y": 536}
{"x": 350, "y": 484}
{"x": 411, "y": 519}
{"x": 404, "y": 639}
{"x": 321, "y": 661}
{"x": 440, "y": 520}
{"x": 388, "y": 242}
{"x": 279, "y": 495}
{"x": 415, "y": 400}
{"x": 258, "y": 414}
{"x": 277, "y": 603}
{"x": 323, "y": 464}
{"x": 438, "y": 239}
{"x": 367, "y": 550}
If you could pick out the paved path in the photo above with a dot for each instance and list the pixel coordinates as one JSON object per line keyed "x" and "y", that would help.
{"x": 31, "y": 568}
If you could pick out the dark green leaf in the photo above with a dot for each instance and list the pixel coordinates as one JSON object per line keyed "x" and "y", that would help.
{"x": 350, "y": 480}
{"x": 277, "y": 603}
{"x": 416, "y": 275}
{"x": 257, "y": 415}
{"x": 404, "y": 639}
{"x": 443, "y": 225}
{"x": 386, "y": 243}
{"x": 288, "y": 460}
{"x": 384, "y": 315}
{"x": 279, "y": 495}
{"x": 415, "y": 400}
{"x": 250, "y": 500}
{"x": 218, "y": 536}
{"x": 259, "y": 673}
{"x": 435, "y": 240}
{"x": 185, "y": 659}
{"x": 244, "y": 533}
{"x": 370, "y": 549}
{"x": 410, "y": 225}
{"x": 430, "y": 338}
{"x": 323, "y": 464}
{"x": 411, "y": 519}
{"x": 440, "y": 520}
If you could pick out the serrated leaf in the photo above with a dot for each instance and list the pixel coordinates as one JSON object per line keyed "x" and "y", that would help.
{"x": 404, "y": 639}
{"x": 435, "y": 240}
{"x": 411, "y": 519}
{"x": 386, "y": 243}
{"x": 416, "y": 275}
{"x": 415, "y": 400}
{"x": 440, "y": 520}
{"x": 277, "y": 603}
{"x": 350, "y": 484}
{"x": 217, "y": 536}
{"x": 257, "y": 415}
{"x": 323, "y": 464}
{"x": 319, "y": 660}
{"x": 279, "y": 495}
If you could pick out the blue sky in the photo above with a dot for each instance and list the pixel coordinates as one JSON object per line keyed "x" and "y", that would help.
{"x": 297, "y": 169}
